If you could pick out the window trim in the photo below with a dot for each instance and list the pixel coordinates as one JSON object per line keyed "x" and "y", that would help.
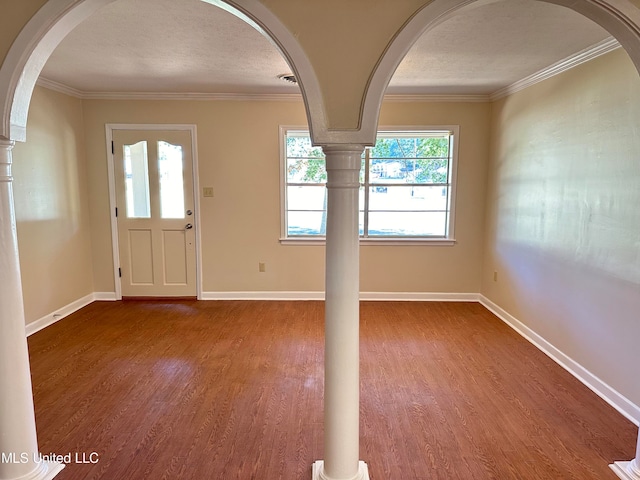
{"x": 449, "y": 240}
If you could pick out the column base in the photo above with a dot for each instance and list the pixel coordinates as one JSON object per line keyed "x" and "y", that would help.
{"x": 44, "y": 471}
{"x": 623, "y": 470}
{"x": 317, "y": 472}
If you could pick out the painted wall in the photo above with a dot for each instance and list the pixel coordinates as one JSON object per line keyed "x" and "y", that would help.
{"x": 51, "y": 203}
{"x": 360, "y": 48}
{"x": 563, "y": 223}
{"x": 238, "y": 149}
{"x": 14, "y": 16}
{"x": 455, "y": 268}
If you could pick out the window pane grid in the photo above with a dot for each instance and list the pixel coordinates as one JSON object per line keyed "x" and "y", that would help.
{"x": 405, "y": 159}
{"x": 380, "y": 184}
{"x": 405, "y": 186}
{"x": 391, "y": 211}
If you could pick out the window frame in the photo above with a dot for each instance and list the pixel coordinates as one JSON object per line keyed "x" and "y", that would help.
{"x": 449, "y": 239}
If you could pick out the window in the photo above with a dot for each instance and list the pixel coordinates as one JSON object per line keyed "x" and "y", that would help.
{"x": 170, "y": 166}
{"x": 407, "y": 186}
{"x": 136, "y": 182}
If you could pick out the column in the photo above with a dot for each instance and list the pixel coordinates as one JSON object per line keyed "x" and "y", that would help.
{"x": 19, "y": 458}
{"x": 629, "y": 470}
{"x": 342, "y": 322}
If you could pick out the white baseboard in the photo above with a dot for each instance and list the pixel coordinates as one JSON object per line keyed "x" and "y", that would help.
{"x": 369, "y": 296}
{"x": 104, "y": 296}
{"x": 266, "y": 295}
{"x": 60, "y": 313}
{"x": 600, "y": 388}
{"x": 418, "y": 297}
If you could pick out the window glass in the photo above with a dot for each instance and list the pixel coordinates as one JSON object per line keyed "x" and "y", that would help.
{"x": 403, "y": 224}
{"x": 307, "y": 223}
{"x": 406, "y": 185}
{"x": 136, "y": 180}
{"x": 170, "y": 166}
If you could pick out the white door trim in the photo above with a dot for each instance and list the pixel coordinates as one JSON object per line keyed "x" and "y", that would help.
{"x": 109, "y": 128}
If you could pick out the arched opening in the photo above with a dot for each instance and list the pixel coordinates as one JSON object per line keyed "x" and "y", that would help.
{"x": 560, "y": 155}
{"x": 620, "y": 24}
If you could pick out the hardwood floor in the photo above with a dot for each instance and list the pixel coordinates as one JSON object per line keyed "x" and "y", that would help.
{"x": 233, "y": 390}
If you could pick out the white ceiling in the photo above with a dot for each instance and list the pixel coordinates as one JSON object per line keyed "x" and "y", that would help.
{"x": 188, "y": 46}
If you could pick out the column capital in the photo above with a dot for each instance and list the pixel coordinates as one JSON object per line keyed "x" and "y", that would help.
{"x": 342, "y": 147}
{"x": 343, "y": 157}
{"x": 5, "y": 160}
{"x": 6, "y": 144}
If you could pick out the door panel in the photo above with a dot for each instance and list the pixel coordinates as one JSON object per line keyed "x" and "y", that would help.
{"x": 175, "y": 256}
{"x": 140, "y": 256}
{"x": 154, "y": 193}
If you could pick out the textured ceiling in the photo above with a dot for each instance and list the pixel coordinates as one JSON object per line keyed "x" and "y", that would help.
{"x": 179, "y": 46}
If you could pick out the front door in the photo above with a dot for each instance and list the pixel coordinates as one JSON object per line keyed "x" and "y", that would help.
{"x": 154, "y": 198}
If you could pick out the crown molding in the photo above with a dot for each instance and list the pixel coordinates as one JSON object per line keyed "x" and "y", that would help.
{"x": 84, "y": 95}
{"x": 428, "y": 97}
{"x": 601, "y": 48}
{"x": 59, "y": 87}
{"x": 267, "y": 97}
{"x": 583, "y": 56}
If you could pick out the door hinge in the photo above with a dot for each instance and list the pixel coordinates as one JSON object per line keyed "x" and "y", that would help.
{"x": 119, "y": 272}
{"x": 113, "y": 149}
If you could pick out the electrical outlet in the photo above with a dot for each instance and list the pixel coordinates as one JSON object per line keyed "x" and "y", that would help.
{"x": 262, "y": 267}
{"x": 207, "y": 191}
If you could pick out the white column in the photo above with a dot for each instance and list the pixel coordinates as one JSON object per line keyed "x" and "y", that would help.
{"x": 19, "y": 458}
{"x": 629, "y": 470}
{"x": 342, "y": 322}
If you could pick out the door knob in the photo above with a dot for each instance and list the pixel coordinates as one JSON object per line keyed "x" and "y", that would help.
{"x": 188, "y": 226}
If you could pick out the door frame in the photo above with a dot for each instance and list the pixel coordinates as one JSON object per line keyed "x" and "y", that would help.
{"x": 191, "y": 128}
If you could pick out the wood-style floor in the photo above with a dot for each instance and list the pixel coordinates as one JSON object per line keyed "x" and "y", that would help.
{"x": 233, "y": 390}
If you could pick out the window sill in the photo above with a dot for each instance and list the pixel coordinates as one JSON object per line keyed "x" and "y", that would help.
{"x": 375, "y": 241}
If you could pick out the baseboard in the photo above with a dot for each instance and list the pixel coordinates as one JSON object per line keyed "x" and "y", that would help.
{"x": 418, "y": 297}
{"x": 369, "y": 296}
{"x": 266, "y": 295}
{"x": 104, "y": 296}
{"x": 60, "y": 313}
{"x": 618, "y": 401}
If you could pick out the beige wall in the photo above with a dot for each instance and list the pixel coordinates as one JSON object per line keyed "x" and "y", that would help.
{"x": 14, "y": 16}
{"x": 457, "y": 268}
{"x": 238, "y": 146}
{"x": 50, "y": 194}
{"x": 563, "y": 223}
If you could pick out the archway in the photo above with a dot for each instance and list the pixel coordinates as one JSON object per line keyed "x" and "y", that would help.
{"x": 620, "y": 19}
{"x": 38, "y": 39}
{"x": 57, "y": 18}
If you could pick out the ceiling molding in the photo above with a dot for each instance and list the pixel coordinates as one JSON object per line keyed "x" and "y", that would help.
{"x": 59, "y": 87}
{"x": 436, "y": 98}
{"x": 83, "y": 95}
{"x": 73, "y": 92}
{"x": 600, "y": 48}
{"x": 277, "y": 97}
{"x": 568, "y": 63}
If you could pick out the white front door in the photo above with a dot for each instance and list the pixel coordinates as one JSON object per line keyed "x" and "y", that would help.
{"x": 155, "y": 212}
